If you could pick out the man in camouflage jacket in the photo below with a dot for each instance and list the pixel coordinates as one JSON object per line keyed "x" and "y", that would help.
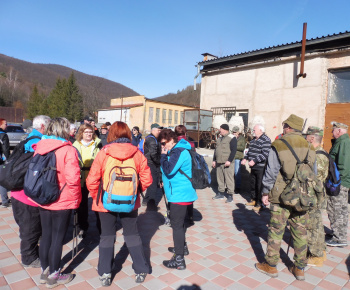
{"x": 280, "y": 169}
{"x": 315, "y": 229}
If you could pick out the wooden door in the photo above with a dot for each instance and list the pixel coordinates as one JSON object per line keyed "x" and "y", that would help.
{"x": 338, "y": 112}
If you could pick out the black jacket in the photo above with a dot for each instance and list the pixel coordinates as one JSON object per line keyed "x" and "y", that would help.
{"x": 136, "y": 139}
{"x": 103, "y": 138}
{"x": 152, "y": 150}
{"x": 5, "y": 145}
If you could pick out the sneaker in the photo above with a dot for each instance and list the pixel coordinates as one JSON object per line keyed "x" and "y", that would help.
{"x": 140, "y": 277}
{"x": 229, "y": 199}
{"x": 334, "y": 243}
{"x": 251, "y": 203}
{"x": 56, "y": 279}
{"x": 44, "y": 275}
{"x": 34, "y": 264}
{"x": 315, "y": 261}
{"x": 298, "y": 273}
{"x": 6, "y": 205}
{"x": 105, "y": 279}
{"x": 218, "y": 196}
{"x": 186, "y": 252}
{"x": 267, "y": 269}
{"x": 328, "y": 236}
{"x": 176, "y": 262}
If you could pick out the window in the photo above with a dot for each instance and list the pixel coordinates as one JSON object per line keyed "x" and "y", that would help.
{"x": 182, "y": 118}
{"x": 176, "y": 117}
{"x": 339, "y": 87}
{"x": 157, "y": 115}
{"x": 150, "y": 115}
{"x": 164, "y": 116}
{"x": 170, "y": 119}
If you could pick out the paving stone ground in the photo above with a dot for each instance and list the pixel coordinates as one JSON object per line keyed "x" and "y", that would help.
{"x": 225, "y": 243}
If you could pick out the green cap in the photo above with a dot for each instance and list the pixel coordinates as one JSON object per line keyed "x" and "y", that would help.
{"x": 313, "y": 130}
{"x": 155, "y": 125}
{"x": 294, "y": 122}
{"x": 235, "y": 129}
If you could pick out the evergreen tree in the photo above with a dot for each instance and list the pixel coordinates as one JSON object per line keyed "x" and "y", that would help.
{"x": 75, "y": 110}
{"x": 35, "y": 103}
{"x": 57, "y": 100}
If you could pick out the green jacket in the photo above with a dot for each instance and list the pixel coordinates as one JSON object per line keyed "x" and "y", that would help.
{"x": 240, "y": 147}
{"x": 340, "y": 152}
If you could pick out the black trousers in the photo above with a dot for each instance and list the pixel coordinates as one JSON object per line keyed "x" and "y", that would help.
{"x": 151, "y": 192}
{"x": 54, "y": 225}
{"x": 131, "y": 238}
{"x": 177, "y": 220}
{"x": 28, "y": 219}
{"x": 83, "y": 210}
{"x": 256, "y": 176}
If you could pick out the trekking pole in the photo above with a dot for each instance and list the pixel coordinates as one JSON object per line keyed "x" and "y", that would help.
{"x": 75, "y": 235}
{"x": 167, "y": 214}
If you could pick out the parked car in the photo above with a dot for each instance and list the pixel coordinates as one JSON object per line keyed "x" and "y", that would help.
{"x": 16, "y": 134}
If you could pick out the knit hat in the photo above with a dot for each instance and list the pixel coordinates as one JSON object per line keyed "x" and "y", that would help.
{"x": 235, "y": 129}
{"x": 225, "y": 127}
{"x": 294, "y": 122}
{"x": 154, "y": 125}
{"x": 339, "y": 125}
{"x": 313, "y": 130}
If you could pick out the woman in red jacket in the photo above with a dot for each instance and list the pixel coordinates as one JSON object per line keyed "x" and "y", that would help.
{"x": 55, "y": 216}
{"x": 119, "y": 147}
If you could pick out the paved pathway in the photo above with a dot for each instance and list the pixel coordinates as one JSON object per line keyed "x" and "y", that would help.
{"x": 225, "y": 243}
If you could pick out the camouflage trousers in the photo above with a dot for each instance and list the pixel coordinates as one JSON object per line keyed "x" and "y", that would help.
{"x": 277, "y": 226}
{"x": 337, "y": 209}
{"x": 315, "y": 232}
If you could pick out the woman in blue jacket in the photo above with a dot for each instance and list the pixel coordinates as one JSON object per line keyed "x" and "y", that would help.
{"x": 175, "y": 162}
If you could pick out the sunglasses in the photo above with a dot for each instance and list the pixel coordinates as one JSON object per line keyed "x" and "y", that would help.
{"x": 163, "y": 143}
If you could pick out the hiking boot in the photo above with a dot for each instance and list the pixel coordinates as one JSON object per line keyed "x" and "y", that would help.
{"x": 229, "y": 199}
{"x": 56, "y": 279}
{"x": 267, "y": 269}
{"x": 315, "y": 261}
{"x": 334, "y": 243}
{"x": 176, "y": 262}
{"x": 140, "y": 277}
{"x": 298, "y": 273}
{"x": 186, "y": 252}
{"x": 44, "y": 275}
{"x": 219, "y": 195}
{"x": 251, "y": 203}
{"x": 324, "y": 256}
{"x": 34, "y": 264}
{"x": 105, "y": 279}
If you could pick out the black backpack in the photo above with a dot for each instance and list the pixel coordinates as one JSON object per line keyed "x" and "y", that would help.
{"x": 200, "y": 172}
{"x": 332, "y": 183}
{"x": 12, "y": 172}
{"x": 40, "y": 183}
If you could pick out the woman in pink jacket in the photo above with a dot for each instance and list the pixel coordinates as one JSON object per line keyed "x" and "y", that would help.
{"x": 55, "y": 217}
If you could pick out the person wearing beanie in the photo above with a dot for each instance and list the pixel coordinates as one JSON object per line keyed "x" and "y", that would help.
{"x": 223, "y": 161}
{"x": 281, "y": 166}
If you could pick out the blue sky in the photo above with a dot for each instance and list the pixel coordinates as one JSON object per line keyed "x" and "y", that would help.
{"x": 153, "y": 46}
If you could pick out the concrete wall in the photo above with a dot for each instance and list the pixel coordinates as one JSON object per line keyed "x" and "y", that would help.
{"x": 272, "y": 90}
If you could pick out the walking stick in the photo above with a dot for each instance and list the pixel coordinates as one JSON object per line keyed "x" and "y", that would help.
{"x": 75, "y": 235}
{"x": 167, "y": 214}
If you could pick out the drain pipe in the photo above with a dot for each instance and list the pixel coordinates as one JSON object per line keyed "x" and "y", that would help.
{"x": 197, "y": 75}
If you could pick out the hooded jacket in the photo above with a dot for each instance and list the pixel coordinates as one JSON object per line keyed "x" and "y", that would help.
{"x": 177, "y": 187}
{"x": 68, "y": 171}
{"x": 340, "y": 152}
{"x": 120, "y": 151}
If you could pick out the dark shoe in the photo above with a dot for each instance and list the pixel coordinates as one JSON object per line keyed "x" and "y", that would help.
{"x": 328, "y": 236}
{"x": 298, "y": 273}
{"x": 267, "y": 269}
{"x": 105, "y": 279}
{"x": 229, "y": 199}
{"x": 140, "y": 277}
{"x": 334, "y": 243}
{"x": 44, "y": 275}
{"x": 6, "y": 205}
{"x": 176, "y": 262}
{"x": 55, "y": 279}
{"x": 34, "y": 264}
{"x": 219, "y": 195}
{"x": 186, "y": 252}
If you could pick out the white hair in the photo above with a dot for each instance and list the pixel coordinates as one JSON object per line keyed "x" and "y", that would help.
{"x": 41, "y": 120}
{"x": 261, "y": 127}
{"x": 72, "y": 126}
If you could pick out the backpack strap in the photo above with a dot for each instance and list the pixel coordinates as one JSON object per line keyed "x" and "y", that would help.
{"x": 293, "y": 152}
{"x": 182, "y": 172}
{"x": 322, "y": 152}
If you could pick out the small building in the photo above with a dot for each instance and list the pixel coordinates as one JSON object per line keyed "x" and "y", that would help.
{"x": 142, "y": 112}
{"x": 265, "y": 82}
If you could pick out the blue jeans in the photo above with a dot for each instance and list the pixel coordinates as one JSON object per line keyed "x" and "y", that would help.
{"x": 238, "y": 173}
{"x": 4, "y": 197}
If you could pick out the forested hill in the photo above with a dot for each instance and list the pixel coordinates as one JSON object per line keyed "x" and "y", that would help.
{"x": 18, "y": 77}
{"x": 187, "y": 96}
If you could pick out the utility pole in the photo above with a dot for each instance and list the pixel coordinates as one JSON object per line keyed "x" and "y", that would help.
{"x": 121, "y": 108}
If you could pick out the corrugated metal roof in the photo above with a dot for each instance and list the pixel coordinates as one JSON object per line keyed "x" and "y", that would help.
{"x": 323, "y": 42}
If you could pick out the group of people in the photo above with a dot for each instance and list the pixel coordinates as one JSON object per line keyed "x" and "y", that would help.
{"x": 80, "y": 171}
{"x": 272, "y": 167}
